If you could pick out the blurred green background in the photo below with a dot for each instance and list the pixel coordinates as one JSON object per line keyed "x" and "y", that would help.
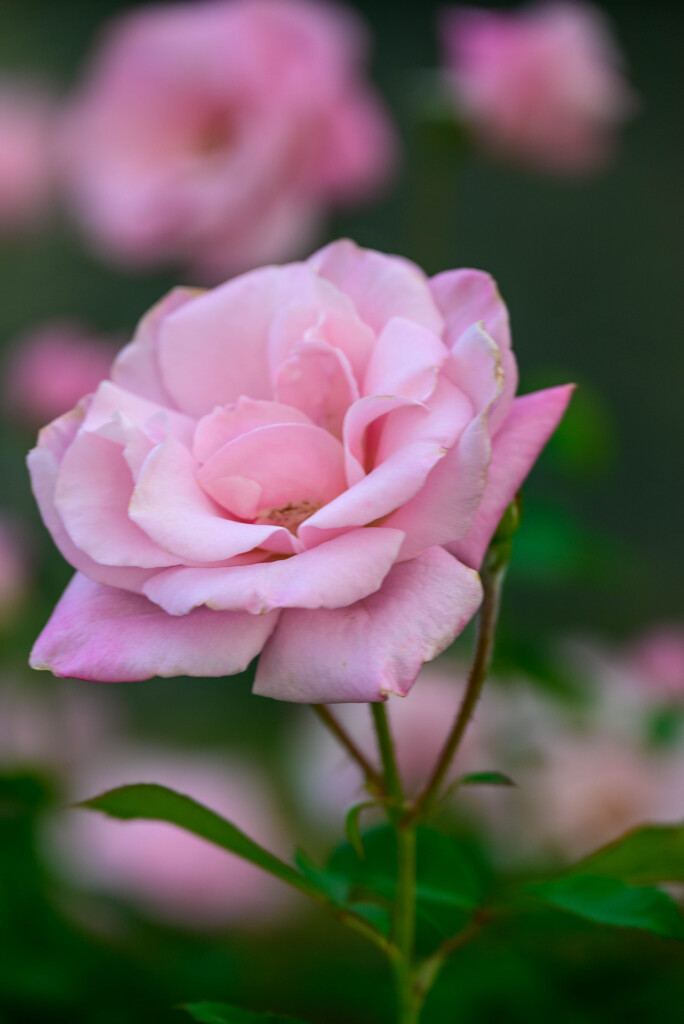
{"x": 591, "y": 271}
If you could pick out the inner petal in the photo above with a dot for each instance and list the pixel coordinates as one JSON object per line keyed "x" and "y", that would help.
{"x": 318, "y": 380}
{"x": 226, "y": 423}
{"x": 278, "y": 474}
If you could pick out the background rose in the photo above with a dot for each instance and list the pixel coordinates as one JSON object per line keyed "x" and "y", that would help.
{"x": 27, "y": 158}
{"x": 280, "y": 464}
{"x": 216, "y": 134}
{"x": 170, "y": 873}
{"x": 51, "y": 368}
{"x": 542, "y": 86}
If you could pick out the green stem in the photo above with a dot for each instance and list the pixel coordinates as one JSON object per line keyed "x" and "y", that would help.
{"x": 373, "y": 777}
{"x": 409, "y": 997}
{"x": 386, "y": 746}
{"x": 493, "y": 574}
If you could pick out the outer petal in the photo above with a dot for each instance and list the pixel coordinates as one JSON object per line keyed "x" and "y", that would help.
{"x": 532, "y": 420}
{"x": 466, "y": 297}
{"x": 380, "y": 286}
{"x": 43, "y": 464}
{"x": 332, "y": 575}
{"x": 376, "y": 646}
{"x": 107, "y": 635}
{"x": 93, "y": 490}
{"x": 136, "y": 367}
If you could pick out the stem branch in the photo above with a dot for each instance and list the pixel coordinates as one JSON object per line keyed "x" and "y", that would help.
{"x": 492, "y": 581}
{"x": 373, "y": 777}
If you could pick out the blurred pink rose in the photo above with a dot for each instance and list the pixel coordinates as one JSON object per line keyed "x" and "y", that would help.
{"x": 172, "y": 874}
{"x": 51, "y": 368}
{"x": 541, "y": 86}
{"x": 658, "y": 659}
{"x": 13, "y": 568}
{"x": 27, "y": 156}
{"x": 308, "y": 461}
{"x": 216, "y": 134}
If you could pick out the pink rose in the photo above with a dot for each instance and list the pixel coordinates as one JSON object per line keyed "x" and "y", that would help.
{"x": 171, "y": 873}
{"x": 541, "y": 86}
{"x": 27, "y": 158}
{"x": 217, "y": 134}
{"x": 52, "y": 368}
{"x": 658, "y": 660}
{"x": 308, "y": 461}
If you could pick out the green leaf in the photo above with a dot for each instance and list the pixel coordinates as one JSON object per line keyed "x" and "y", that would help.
{"x": 644, "y": 856}
{"x": 610, "y": 901}
{"x": 220, "y": 1013}
{"x": 448, "y": 881}
{"x": 485, "y": 779}
{"x": 157, "y": 803}
{"x": 351, "y": 826}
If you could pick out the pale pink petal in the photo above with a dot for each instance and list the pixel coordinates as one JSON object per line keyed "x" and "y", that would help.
{"x": 467, "y": 297}
{"x": 380, "y": 286}
{"x": 110, "y": 399}
{"x": 532, "y": 420}
{"x": 376, "y": 646}
{"x": 358, "y": 419}
{"x": 223, "y": 425}
{"x": 330, "y": 576}
{"x": 137, "y": 367}
{"x": 318, "y": 379}
{"x": 405, "y": 361}
{"x": 444, "y": 507}
{"x": 174, "y": 511}
{"x": 330, "y": 317}
{"x": 417, "y": 438}
{"x": 44, "y": 469}
{"x": 94, "y": 487}
{"x": 106, "y": 635}
{"x": 214, "y": 350}
{"x": 297, "y": 467}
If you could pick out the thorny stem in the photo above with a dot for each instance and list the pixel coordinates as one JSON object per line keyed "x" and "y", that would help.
{"x": 373, "y": 777}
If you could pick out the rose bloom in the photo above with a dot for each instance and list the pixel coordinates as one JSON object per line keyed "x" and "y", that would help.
{"x": 51, "y": 368}
{"x": 170, "y": 873}
{"x": 541, "y": 86}
{"x": 217, "y": 134}
{"x": 308, "y": 461}
{"x": 27, "y": 157}
{"x": 658, "y": 659}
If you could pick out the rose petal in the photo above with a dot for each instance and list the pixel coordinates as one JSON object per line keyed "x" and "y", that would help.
{"x": 318, "y": 379}
{"x": 44, "y": 469}
{"x": 376, "y": 646}
{"x": 94, "y": 487}
{"x": 329, "y": 576}
{"x": 405, "y": 361}
{"x": 294, "y": 464}
{"x": 532, "y": 420}
{"x": 136, "y": 367}
{"x": 174, "y": 511}
{"x": 223, "y": 425}
{"x": 380, "y": 286}
{"x": 215, "y": 349}
{"x": 106, "y": 635}
{"x": 466, "y": 297}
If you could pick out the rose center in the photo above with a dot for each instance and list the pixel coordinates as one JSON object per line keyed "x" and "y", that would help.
{"x": 290, "y": 515}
